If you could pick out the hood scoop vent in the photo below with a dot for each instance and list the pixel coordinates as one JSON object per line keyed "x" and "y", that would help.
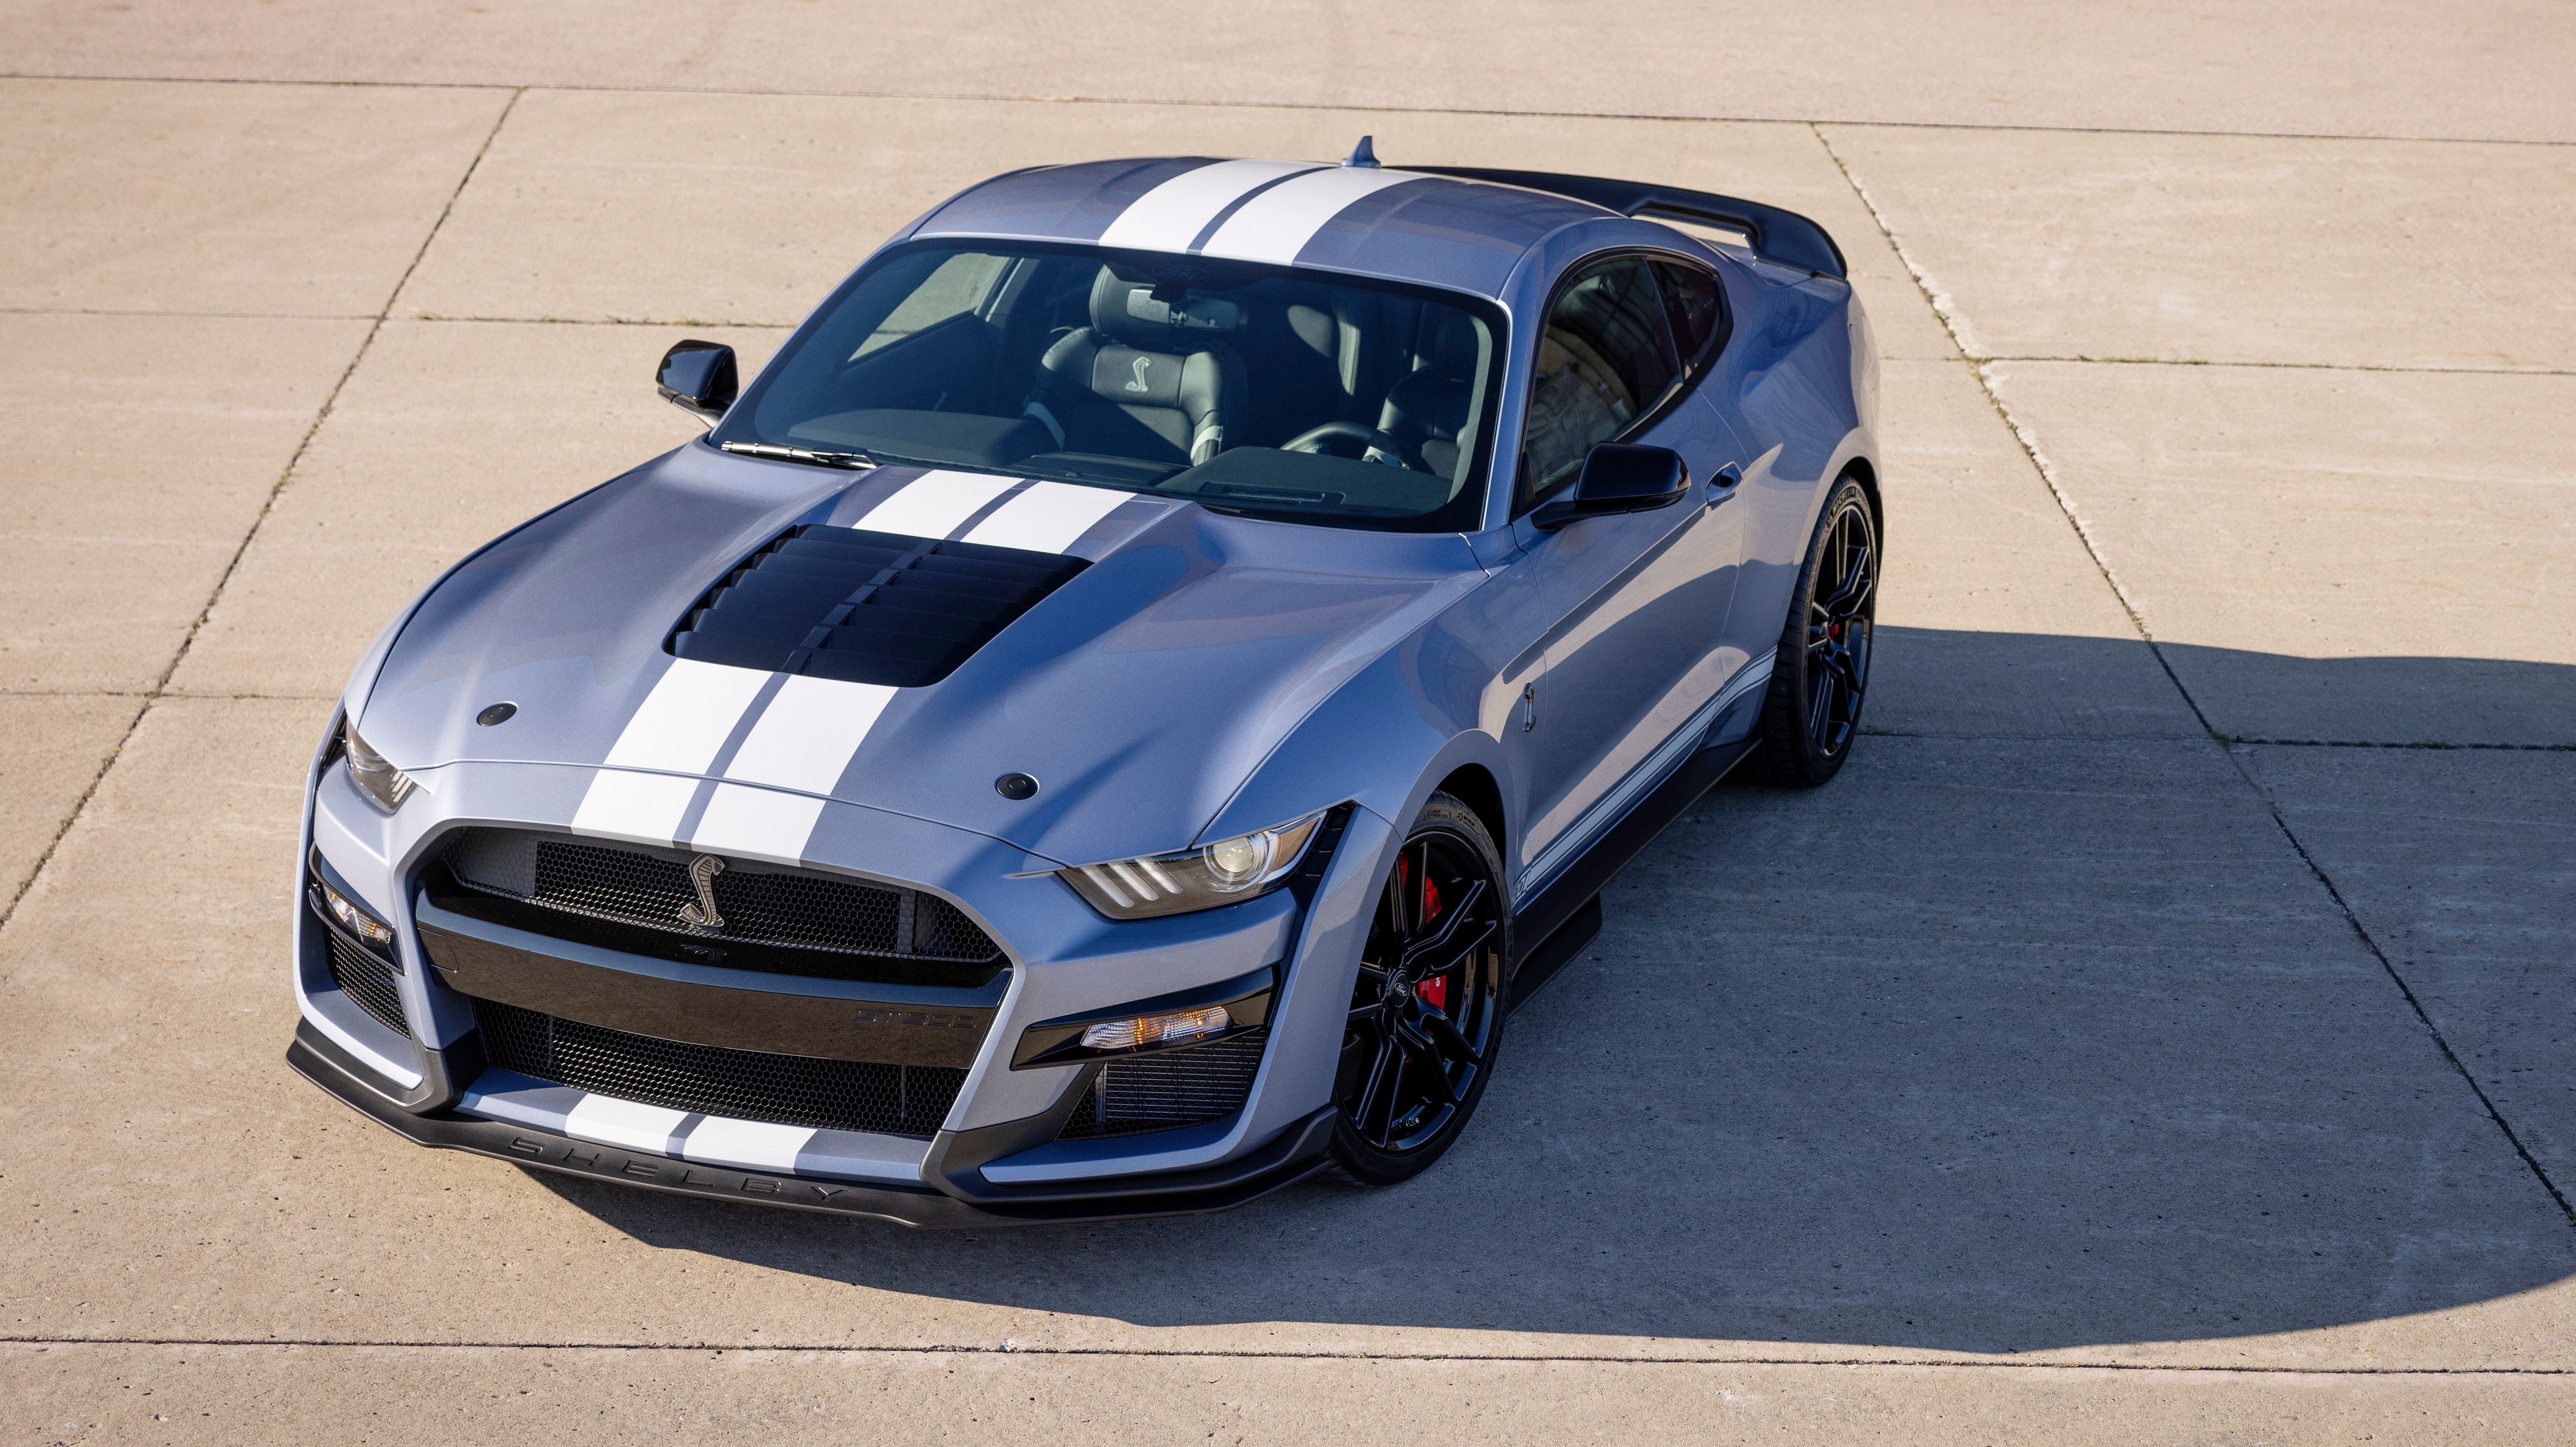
{"x": 864, "y": 607}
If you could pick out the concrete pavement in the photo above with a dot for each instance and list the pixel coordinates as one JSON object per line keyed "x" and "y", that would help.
{"x": 2112, "y": 1053}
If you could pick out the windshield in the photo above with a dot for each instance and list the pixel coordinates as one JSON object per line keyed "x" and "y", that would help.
{"x": 1250, "y": 388}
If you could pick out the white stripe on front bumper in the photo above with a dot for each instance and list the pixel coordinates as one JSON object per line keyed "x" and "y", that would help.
{"x": 629, "y": 1124}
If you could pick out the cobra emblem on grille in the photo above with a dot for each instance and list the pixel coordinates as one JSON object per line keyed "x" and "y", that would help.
{"x": 702, "y": 873}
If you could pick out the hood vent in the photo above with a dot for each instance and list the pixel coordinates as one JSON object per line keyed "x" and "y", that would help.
{"x": 866, "y": 607}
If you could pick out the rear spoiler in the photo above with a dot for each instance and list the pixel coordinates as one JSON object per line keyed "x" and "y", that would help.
{"x": 1777, "y": 235}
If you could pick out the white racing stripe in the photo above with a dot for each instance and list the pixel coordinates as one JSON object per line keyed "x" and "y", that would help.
{"x": 933, "y": 504}
{"x": 802, "y": 741}
{"x": 1048, "y": 518}
{"x": 1275, "y": 225}
{"x": 687, "y": 717}
{"x": 630, "y": 1124}
{"x": 752, "y": 1144}
{"x": 642, "y": 807}
{"x": 1171, "y": 216}
{"x": 805, "y": 737}
{"x": 757, "y": 824}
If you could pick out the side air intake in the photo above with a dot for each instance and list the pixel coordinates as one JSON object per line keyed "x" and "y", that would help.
{"x": 866, "y": 607}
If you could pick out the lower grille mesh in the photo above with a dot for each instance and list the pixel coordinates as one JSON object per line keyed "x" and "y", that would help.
{"x": 1168, "y": 1089}
{"x": 370, "y": 981}
{"x": 745, "y": 1084}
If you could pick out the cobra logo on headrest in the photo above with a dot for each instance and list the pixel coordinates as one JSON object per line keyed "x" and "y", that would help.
{"x": 1139, "y": 384}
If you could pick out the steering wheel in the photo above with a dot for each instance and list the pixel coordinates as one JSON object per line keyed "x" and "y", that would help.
{"x": 1314, "y": 438}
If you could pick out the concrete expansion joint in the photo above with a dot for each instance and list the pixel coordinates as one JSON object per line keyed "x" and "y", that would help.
{"x": 2398, "y": 978}
{"x": 161, "y": 684}
{"x": 1017, "y": 1348}
{"x": 1032, "y": 98}
{"x": 1980, "y": 359}
{"x": 605, "y": 322}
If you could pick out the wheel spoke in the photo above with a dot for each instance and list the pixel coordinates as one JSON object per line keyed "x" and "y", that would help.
{"x": 1432, "y": 1072}
{"x": 1458, "y": 913}
{"x": 1452, "y": 1041}
{"x": 1377, "y": 1088}
{"x": 1453, "y": 951}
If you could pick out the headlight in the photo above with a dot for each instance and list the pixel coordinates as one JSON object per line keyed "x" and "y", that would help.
{"x": 1226, "y": 872}
{"x": 375, "y": 778}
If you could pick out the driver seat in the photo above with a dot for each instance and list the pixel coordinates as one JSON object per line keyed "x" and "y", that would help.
{"x": 1147, "y": 379}
{"x": 1427, "y": 408}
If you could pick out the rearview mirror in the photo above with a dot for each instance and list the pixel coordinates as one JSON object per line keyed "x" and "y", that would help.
{"x": 698, "y": 377}
{"x": 1617, "y": 478}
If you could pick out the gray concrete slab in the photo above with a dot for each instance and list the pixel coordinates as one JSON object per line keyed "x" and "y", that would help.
{"x": 1994, "y": 622}
{"x": 2235, "y": 249}
{"x": 389, "y": 1396}
{"x": 748, "y": 208}
{"x": 57, "y": 743}
{"x": 2372, "y": 556}
{"x": 147, "y": 449}
{"x": 447, "y": 435}
{"x": 2462, "y": 865}
{"x": 2361, "y": 67}
{"x": 1896, "y": 1111}
{"x": 292, "y": 200}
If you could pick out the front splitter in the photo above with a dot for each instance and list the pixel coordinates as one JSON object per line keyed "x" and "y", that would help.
{"x": 1296, "y": 1154}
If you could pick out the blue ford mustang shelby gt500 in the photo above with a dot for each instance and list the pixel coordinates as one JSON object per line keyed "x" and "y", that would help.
{"x": 1115, "y": 716}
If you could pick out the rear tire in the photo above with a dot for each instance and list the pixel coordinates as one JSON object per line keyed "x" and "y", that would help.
{"x": 1426, "y": 1017}
{"x": 1811, "y": 716}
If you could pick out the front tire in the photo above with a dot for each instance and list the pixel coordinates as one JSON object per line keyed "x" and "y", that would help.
{"x": 1426, "y": 1016}
{"x": 1811, "y": 715}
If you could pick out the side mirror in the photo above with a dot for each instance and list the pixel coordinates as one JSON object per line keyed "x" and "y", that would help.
{"x": 698, "y": 377}
{"x": 1618, "y": 478}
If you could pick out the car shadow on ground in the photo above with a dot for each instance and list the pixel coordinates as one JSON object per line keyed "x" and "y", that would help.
{"x": 1994, "y": 1045}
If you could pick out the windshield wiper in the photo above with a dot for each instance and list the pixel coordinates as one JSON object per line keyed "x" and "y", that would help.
{"x": 807, "y": 455}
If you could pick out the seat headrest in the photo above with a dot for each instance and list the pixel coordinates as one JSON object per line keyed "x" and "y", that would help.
{"x": 1127, "y": 312}
{"x": 1449, "y": 341}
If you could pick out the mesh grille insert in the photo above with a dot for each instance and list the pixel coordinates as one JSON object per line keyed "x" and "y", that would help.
{"x": 759, "y": 904}
{"x": 744, "y": 1084}
{"x": 866, "y": 607}
{"x": 1168, "y": 1089}
{"x": 369, "y": 980}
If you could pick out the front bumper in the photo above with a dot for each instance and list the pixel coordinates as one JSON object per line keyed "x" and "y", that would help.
{"x": 1293, "y": 1156}
{"x": 1000, "y": 1154}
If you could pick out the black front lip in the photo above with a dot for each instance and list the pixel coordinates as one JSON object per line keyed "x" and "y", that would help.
{"x": 1297, "y": 1153}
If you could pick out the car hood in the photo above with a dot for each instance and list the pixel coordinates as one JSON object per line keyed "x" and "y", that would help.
{"x": 1141, "y": 694}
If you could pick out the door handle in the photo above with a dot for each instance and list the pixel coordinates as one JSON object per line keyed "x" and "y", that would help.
{"x": 1721, "y": 484}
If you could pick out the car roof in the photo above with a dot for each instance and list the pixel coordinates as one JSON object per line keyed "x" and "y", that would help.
{"x": 1412, "y": 226}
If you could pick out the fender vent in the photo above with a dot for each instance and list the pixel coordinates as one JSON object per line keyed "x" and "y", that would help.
{"x": 866, "y": 607}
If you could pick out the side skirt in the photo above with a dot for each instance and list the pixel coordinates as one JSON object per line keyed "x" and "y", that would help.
{"x": 1564, "y": 917}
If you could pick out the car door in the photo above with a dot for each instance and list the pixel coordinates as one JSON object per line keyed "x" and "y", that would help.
{"x": 1640, "y": 599}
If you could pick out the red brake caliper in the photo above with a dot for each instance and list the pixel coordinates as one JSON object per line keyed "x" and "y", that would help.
{"x": 1434, "y": 993}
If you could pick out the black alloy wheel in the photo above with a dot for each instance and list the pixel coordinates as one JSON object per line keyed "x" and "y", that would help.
{"x": 1812, "y": 712}
{"x": 1427, "y": 1009}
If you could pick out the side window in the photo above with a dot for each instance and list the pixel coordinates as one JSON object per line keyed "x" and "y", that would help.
{"x": 1606, "y": 359}
{"x": 1696, "y": 305}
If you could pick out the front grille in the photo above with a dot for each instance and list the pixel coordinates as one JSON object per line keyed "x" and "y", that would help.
{"x": 759, "y": 904}
{"x": 744, "y": 1084}
{"x": 1168, "y": 1089}
{"x": 866, "y": 607}
{"x": 368, "y": 979}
